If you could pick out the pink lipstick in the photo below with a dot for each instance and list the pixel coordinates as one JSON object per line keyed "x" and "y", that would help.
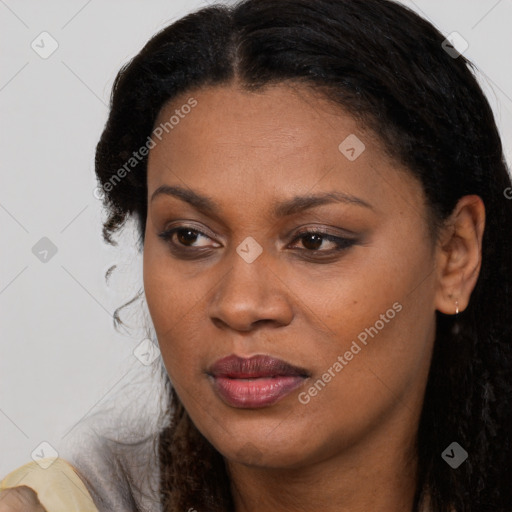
{"x": 259, "y": 381}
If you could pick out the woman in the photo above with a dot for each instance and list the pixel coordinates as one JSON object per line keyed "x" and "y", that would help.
{"x": 320, "y": 191}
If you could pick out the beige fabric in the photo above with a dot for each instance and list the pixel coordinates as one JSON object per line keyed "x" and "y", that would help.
{"x": 56, "y": 483}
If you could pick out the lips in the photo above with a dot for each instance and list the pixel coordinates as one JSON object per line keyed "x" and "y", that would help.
{"x": 255, "y": 382}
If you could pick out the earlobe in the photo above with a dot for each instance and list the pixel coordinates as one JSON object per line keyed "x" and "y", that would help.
{"x": 459, "y": 255}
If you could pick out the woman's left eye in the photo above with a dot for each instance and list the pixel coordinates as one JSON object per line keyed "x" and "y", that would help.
{"x": 313, "y": 240}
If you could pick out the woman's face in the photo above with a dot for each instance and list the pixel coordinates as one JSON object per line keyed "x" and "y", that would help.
{"x": 351, "y": 308}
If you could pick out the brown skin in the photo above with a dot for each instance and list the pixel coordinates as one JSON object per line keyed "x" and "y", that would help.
{"x": 20, "y": 499}
{"x": 351, "y": 448}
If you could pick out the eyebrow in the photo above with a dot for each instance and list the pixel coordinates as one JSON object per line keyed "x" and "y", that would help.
{"x": 282, "y": 209}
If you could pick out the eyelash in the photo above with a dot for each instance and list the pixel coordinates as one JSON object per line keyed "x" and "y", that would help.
{"x": 341, "y": 242}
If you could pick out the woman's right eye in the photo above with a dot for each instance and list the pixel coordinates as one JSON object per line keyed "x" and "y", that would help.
{"x": 185, "y": 237}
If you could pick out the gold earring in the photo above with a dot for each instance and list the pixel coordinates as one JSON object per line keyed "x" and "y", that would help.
{"x": 456, "y": 326}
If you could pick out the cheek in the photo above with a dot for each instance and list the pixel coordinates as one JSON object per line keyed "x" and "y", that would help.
{"x": 383, "y": 367}
{"x": 176, "y": 302}
{"x": 382, "y": 328}
{"x": 169, "y": 301}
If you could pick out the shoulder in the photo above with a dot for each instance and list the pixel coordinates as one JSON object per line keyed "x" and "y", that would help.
{"x": 121, "y": 474}
{"x": 56, "y": 482}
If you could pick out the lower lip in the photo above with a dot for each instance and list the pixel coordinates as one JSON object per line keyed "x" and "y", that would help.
{"x": 261, "y": 392}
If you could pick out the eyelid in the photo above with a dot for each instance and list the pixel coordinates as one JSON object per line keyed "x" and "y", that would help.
{"x": 322, "y": 230}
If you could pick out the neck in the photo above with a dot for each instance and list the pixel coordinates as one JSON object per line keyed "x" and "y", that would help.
{"x": 378, "y": 474}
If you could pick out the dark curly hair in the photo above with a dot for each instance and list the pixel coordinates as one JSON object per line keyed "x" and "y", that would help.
{"x": 387, "y": 66}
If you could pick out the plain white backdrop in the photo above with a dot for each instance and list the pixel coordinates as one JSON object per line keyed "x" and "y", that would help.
{"x": 61, "y": 359}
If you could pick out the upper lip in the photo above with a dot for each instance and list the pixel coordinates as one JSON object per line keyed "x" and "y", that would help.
{"x": 237, "y": 367}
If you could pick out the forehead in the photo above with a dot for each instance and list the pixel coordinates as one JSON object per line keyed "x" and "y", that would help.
{"x": 281, "y": 140}
{"x": 283, "y": 117}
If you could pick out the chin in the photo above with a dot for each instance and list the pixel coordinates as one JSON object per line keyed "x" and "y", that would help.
{"x": 265, "y": 451}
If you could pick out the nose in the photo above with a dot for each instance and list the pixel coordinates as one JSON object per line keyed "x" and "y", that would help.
{"x": 251, "y": 294}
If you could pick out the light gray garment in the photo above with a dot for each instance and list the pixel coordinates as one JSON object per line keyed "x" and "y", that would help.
{"x": 115, "y": 450}
{"x": 119, "y": 477}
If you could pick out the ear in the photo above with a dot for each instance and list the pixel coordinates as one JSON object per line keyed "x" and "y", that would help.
{"x": 459, "y": 255}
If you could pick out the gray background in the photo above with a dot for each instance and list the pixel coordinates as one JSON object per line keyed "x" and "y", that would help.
{"x": 61, "y": 360}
